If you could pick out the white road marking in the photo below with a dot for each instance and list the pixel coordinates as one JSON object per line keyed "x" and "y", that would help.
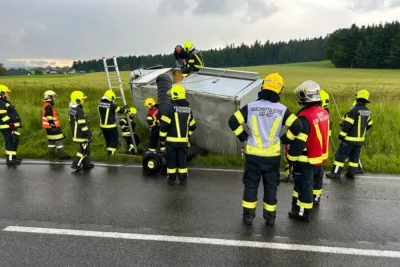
{"x": 379, "y": 177}
{"x": 207, "y": 241}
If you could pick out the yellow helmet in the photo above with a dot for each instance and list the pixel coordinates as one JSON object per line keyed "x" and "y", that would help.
{"x": 363, "y": 94}
{"x": 110, "y": 95}
{"x": 132, "y": 110}
{"x": 273, "y": 82}
{"x": 188, "y": 46}
{"x": 149, "y": 102}
{"x": 178, "y": 92}
{"x": 49, "y": 94}
{"x": 3, "y": 90}
{"x": 77, "y": 97}
{"x": 324, "y": 98}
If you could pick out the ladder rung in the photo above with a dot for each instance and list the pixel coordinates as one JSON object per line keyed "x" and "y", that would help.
{"x": 113, "y": 76}
{"x": 111, "y": 66}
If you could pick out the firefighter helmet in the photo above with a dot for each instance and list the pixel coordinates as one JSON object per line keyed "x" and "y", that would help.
{"x": 309, "y": 92}
{"x": 109, "y": 95}
{"x": 188, "y": 46}
{"x": 149, "y": 102}
{"x": 77, "y": 97}
{"x": 178, "y": 92}
{"x": 273, "y": 82}
{"x": 49, "y": 94}
{"x": 3, "y": 90}
{"x": 132, "y": 110}
{"x": 324, "y": 98}
{"x": 363, "y": 94}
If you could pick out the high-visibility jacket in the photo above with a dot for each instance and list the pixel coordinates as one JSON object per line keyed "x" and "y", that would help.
{"x": 8, "y": 114}
{"x": 153, "y": 117}
{"x": 79, "y": 124}
{"x": 356, "y": 123}
{"x": 107, "y": 111}
{"x": 330, "y": 122}
{"x": 178, "y": 123}
{"x": 125, "y": 127}
{"x": 49, "y": 116}
{"x": 194, "y": 61}
{"x": 265, "y": 120}
{"x": 315, "y": 135}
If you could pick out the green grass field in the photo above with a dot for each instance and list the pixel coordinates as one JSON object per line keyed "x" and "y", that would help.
{"x": 381, "y": 152}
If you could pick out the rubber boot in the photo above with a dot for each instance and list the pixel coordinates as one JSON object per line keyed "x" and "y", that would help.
{"x": 87, "y": 164}
{"x": 350, "y": 173}
{"x": 248, "y": 215}
{"x": 183, "y": 179}
{"x": 317, "y": 200}
{"x": 13, "y": 160}
{"x": 269, "y": 217}
{"x": 294, "y": 212}
{"x": 359, "y": 170}
{"x": 76, "y": 164}
{"x": 306, "y": 215}
{"x": 333, "y": 175}
{"x": 171, "y": 178}
{"x": 51, "y": 152}
{"x": 62, "y": 154}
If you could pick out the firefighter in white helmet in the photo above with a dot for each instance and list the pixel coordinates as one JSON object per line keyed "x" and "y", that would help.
{"x": 51, "y": 123}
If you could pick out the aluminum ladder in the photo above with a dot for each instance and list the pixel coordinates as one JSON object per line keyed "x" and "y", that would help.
{"x": 121, "y": 88}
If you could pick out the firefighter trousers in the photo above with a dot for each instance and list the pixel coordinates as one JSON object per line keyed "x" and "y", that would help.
{"x": 302, "y": 201}
{"x": 82, "y": 157}
{"x": 256, "y": 168}
{"x": 11, "y": 139}
{"x": 129, "y": 143}
{"x": 111, "y": 137}
{"x": 318, "y": 183}
{"x": 346, "y": 150}
{"x": 177, "y": 161}
{"x": 154, "y": 139}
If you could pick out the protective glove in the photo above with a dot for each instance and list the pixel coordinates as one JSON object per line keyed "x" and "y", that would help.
{"x": 12, "y": 126}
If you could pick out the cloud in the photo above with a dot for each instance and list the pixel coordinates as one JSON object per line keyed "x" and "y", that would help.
{"x": 373, "y": 5}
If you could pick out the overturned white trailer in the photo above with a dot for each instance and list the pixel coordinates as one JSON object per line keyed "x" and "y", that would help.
{"x": 214, "y": 95}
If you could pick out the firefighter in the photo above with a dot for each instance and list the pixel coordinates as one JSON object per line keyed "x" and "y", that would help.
{"x": 51, "y": 123}
{"x": 309, "y": 150}
{"x": 153, "y": 120}
{"x": 265, "y": 118}
{"x": 107, "y": 109}
{"x": 126, "y": 132}
{"x": 194, "y": 60}
{"x": 10, "y": 122}
{"x": 176, "y": 126}
{"x": 180, "y": 55}
{"x": 80, "y": 129}
{"x": 354, "y": 126}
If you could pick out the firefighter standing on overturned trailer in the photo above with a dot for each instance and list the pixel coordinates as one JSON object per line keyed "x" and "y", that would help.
{"x": 194, "y": 60}
{"x": 177, "y": 125}
{"x": 126, "y": 132}
{"x": 51, "y": 123}
{"x": 265, "y": 117}
{"x": 309, "y": 150}
{"x": 153, "y": 120}
{"x": 108, "y": 125}
{"x": 80, "y": 129}
{"x": 9, "y": 123}
{"x": 354, "y": 126}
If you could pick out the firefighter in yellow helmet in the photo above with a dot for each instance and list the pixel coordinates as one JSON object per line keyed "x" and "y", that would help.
{"x": 355, "y": 124}
{"x": 194, "y": 60}
{"x": 107, "y": 110}
{"x": 264, "y": 117}
{"x": 177, "y": 125}
{"x": 153, "y": 120}
{"x": 80, "y": 130}
{"x": 10, "y": 122}
{"x": 51, "y": 123}
{"x": 126, "y": 132}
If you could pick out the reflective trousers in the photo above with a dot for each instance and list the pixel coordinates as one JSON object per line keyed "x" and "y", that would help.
{"x": 346, "y": 150}
{"x": 303, "y": 174}
{"x": 177, "y": 160}
{"x": 111, "y": 137}
{"x": 154, "y": 139}
{"x": 11, "y": 139}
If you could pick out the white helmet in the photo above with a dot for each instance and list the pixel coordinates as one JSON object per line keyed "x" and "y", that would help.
{"x": 309, "y": 91}
{"x": 49, "y": 94}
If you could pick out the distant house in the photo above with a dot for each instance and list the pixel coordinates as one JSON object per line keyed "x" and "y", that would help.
{"x": 18, "y": 72}
{"x": 52, "y": 72}
{"x": 71, "y": 71}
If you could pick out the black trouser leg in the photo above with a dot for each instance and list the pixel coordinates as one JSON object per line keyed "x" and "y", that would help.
{"x": 171, "y": 163}
{"x": 270, "y": 175}
{"x": 354, "y": 158}
{"x": 83, "y": 152}
{"x": 154, "y": 135}
{"x": 251, "y": 181}
{"x": 182, "y": 163}
{"x": 111, "y": 138}
{"x": 9, "y": 146}
{"x": 318, "y": 183}
{"x": 303, "y": 174}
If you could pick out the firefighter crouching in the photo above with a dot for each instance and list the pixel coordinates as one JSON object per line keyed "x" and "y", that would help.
{"x": 265, "y": 118}
{"x": 354, "y": 126}
{"x": 309, "y": 150}
{"x": 194, "y": 60}
{"x": 153, "y": 120}
{"x": 126, "y": 132}
{"x": 177, "y": 125}
{"x": 51, "y": 123}
{"x": 108, "y": 125}
{"x": 80, "y": 129}
{"x": 9, "y": 123}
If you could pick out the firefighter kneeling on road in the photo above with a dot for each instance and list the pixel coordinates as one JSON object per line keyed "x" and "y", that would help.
{"x": 309, "y": 150}
{"x": 9, "y": 123}
{"x": 51, "y": 123}
{"x": 352, "y": 136}
{"x": 80, "y": 129}
{"x": 177, "y": 125}
{"x": 265, "y": 118}
{"x": 107, "y": 109}
{"x": 153, "y": 120}
{"x": 126, "y": 132}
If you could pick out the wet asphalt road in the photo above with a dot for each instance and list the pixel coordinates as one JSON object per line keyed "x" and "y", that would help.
{"x": 362, "y": 214}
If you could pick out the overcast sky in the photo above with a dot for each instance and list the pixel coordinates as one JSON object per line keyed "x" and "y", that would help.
{"x": 59, "y": 31}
